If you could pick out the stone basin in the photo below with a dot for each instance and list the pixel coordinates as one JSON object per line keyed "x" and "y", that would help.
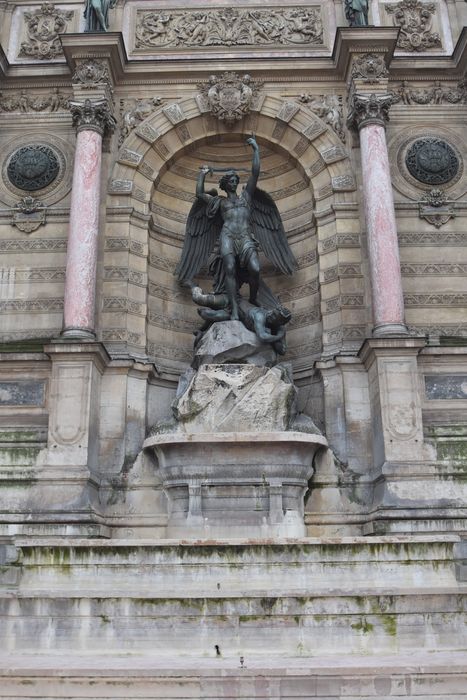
{"x": 235, "y": 484}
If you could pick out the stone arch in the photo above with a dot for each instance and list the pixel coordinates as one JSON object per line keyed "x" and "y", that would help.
{"x": 172, "y": 133}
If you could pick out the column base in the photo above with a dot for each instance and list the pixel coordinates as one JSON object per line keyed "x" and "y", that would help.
{"x": 390, "y": 330}
{"x": 80, "y": 333}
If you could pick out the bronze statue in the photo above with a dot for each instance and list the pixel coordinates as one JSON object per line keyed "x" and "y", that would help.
{"x": 356, "y": 12}
{"x": 96, "y": 14}
{"x": 241, "y": 225}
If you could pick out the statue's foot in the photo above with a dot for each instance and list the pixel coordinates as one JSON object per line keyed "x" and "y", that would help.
{"x": 234, "y": 316}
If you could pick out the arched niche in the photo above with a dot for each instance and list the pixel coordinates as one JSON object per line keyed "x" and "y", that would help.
{"x": 304, "y": 166}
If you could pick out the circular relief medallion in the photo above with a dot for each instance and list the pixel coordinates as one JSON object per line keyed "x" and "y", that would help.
{"x": 33, "y": 167}
{"x": 432, "y": 161}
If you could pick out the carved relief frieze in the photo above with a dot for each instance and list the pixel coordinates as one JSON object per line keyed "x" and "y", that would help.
{"x": 436, "y": 94}
{"x": 38, "y": 245}
{"x": 228, "y": 26}
{"x": 229, "y": 97}
{"x": 436, "y": 299}
{"x": 329, "y": 109}
{"x": 369, "y": 68}
{"x": 43, "y": 27}
{"x": 24, "y": 102}
{"x": 439, "y": 239}
{"x": 442, "y": 269}
{"x": 133, "y": 112}
{"x": 415, "y": 20}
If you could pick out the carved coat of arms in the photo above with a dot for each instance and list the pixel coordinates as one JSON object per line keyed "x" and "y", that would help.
{"x": 229, "y": 97}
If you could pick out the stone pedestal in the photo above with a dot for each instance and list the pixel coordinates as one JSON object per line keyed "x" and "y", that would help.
{"x": 237, "y": 459}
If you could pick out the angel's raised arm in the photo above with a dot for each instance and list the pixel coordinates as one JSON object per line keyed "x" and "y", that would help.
{"x": 200, "y": 193}
{"x": 255, "y": 167}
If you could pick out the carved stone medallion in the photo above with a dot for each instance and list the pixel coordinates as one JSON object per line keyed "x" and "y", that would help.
{"x": 370, "y": 68}
{"x": 229, "y": 97}
{"x": 33, "y": 167}
{"x": 432, "y": 161}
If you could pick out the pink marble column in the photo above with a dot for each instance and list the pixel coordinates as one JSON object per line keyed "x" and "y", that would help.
{"x": 370, "y": 113}
{"x": 80, "y": 282}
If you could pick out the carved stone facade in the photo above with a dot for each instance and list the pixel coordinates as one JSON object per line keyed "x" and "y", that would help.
{"x": 101, "y": 145}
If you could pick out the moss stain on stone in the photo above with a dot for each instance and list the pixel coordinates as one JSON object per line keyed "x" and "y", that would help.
{"x": 363, "y": 626}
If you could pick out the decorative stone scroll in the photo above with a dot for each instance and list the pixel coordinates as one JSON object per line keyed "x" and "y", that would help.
{"x": 415, "y": 20}
{"x": 229, "y": 97}
{"x": 43, "y": 27}
{"x": 95, "y": 115}
{"x": 370, "y": 68}
{"x": 228, "y": 26}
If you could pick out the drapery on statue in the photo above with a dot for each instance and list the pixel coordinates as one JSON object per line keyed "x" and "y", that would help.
{"x": 240, "y": 226}
{"x": 96, "y": 14}
{"x": 356, "y": 12}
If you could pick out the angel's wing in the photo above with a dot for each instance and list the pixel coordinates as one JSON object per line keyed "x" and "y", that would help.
{"x": 202, "y": 230}
{"x": 269, "y": 232}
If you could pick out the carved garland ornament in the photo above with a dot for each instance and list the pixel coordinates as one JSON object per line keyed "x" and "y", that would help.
{"x": 228, "y": 27}
{"x": 229, "y": 97}
{"x": 43, "y": 28}
{"x": 415, "y": 20}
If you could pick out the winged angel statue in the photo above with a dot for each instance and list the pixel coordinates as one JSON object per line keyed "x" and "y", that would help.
{"x": 230, "y": 230}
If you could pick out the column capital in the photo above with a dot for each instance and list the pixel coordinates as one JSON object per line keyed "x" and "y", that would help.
{"x": 92, "y": 115}
{"x": 367, "y": 109}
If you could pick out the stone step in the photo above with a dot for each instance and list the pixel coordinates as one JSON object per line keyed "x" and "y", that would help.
{"x": 422, "y": 676}
{"x": 170, "y": 568}
{"x": 349, "y": 596}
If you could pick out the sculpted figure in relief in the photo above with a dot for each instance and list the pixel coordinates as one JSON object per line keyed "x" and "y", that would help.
{"x": 235, "y": 227}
